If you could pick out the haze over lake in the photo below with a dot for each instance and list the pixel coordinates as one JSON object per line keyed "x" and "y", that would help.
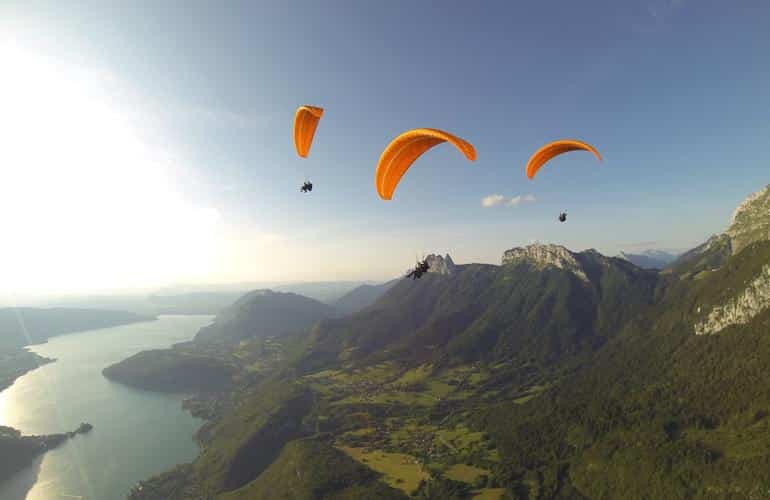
{"x": 136, "y": 433}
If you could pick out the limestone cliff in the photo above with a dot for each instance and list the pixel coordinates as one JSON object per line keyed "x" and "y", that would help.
{"x": 440, "y": 265}
{"x": 545, "y": 255}
{"x": 751, "y": 221}
{"x": 740, "y": 309}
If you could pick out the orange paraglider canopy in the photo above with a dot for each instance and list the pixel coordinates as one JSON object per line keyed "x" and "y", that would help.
{"x": 405, "y": 149}
{"x": 555, "y": 148}
{"x": 305, "y": 122}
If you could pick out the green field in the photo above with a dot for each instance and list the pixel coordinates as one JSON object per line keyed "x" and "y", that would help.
{"x": 465, "y": 473}
{"x": 398, "y": 470}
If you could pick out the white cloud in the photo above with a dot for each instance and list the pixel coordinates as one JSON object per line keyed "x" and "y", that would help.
{"x": 518, "y": 200}
{"x": 492, "y": 200}
{"x": 497, "y": 199}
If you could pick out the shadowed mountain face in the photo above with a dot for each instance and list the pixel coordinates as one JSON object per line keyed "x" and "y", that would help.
{"x": 362, "y": 297}
{"x": 690, "y": 410}
{"x": 543, "y": 303}
{"x": 310, "y": 468}
{"x": 264, "y": 313}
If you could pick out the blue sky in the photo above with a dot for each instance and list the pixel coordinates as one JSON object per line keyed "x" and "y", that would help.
{"x": 674, "y": 94}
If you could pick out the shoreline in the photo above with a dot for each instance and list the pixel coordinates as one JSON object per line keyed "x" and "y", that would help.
{"x": 34, "y": 361}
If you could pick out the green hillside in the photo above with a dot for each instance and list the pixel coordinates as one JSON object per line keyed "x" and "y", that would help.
{"x": 557, "y": 375}
{"x": 310, "y": 469}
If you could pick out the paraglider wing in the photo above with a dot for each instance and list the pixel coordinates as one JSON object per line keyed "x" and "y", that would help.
{"x": 555, "y": 148}
{"x": 405, "y": 149}
{"x": 305, "y": 122}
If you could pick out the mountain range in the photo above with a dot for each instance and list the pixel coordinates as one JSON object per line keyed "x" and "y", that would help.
{"x": 650, "y": 259}
{"x": 554, "y": 375}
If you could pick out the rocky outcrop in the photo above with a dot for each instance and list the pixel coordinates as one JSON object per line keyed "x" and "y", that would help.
{"x": 545, "y": 255}
{"x": 440, "y": 265}
{"x": 751, "y": 221}
{"x": 741, "y": 309}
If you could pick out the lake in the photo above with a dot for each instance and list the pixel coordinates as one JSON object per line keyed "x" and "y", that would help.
{"x": 136, "y": 433}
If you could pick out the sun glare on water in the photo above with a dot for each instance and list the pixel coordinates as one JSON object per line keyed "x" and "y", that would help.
{"x": 87, "y": 202}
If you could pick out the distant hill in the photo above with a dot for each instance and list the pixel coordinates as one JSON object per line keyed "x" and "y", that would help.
{"x": 323, "y": 291}
{"x": 362, "y": 296}
{"x": 171, "y": 370}
{"x": 20, "y": 326}
{"x": 190, "y": 367}
{"x": 265, "y": 313}
{"x": 650, "y": 259}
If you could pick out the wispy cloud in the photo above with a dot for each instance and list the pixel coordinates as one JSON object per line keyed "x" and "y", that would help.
{"x": 494, "y": 200}
{"x": 518, "y": 200}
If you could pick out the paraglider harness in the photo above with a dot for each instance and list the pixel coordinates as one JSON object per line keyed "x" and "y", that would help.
{"x": 306, "y": 187}
{"x": 420, "y": 269}
{"x": 562, "y": 216}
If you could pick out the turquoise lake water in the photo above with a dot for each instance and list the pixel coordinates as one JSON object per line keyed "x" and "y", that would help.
{"x": 136, "y": 433}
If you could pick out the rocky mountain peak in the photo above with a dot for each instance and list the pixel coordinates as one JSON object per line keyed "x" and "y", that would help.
{"x": 751, "y": 220}
{"x": 546, "y": 255}
{"x": 440, "y": 265}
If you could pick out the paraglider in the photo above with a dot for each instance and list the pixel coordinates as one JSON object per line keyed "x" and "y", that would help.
{"x": 306, "y": 120}
{"x": 420, "y": 269}
{"x": 405, "y": 149}
{"x": 555, "y": 148}
{"x": 563, "y": 217}
{"x": 306, "y": 187}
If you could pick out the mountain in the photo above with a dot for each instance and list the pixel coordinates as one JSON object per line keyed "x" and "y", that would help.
{"x": 749, "y": 227}
{"x": 265, "y": 313}
{"x": 650, "y": 259}
{"x": 750, "y": 221}
{"x": 542, "y": 302}
{"x": 207, "y": 364}
{"x": 323, "y": 291}
{"x": 677, "y": 405}
{"x": 689, "y": 411}
{"x": 555, "y": 375}
{"x": 749, "y": 224}
{"x": 362, "y": 297}
{"x": 21, "y": 326}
